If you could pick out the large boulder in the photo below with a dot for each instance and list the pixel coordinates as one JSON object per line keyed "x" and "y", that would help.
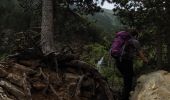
{"x": 153, "y": 86}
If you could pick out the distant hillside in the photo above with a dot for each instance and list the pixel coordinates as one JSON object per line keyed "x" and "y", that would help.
{"x": 105, "y": 20}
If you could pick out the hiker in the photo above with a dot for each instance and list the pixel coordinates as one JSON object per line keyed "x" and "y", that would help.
{"x": 124, "y": 48}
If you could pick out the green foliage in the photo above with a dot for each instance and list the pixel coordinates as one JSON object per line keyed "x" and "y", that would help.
{"x": 12, "y": 15}
{"x": 113, "y": 76}
{"x": 93, "y": 52}
{"x": 70, "y": 26}
{"x": 13, "y": 41}
{"x": 3, "y": 56}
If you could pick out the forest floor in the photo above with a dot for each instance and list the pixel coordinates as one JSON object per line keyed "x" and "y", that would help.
{"x": 56, "y": 77}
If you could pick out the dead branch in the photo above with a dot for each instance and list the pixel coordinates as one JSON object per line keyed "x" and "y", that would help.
{"x": 53, "y": 90}
{"x": 48, "y": 83}
{"x": 107, "y": 90}
{"x": 26, "y": 87}
{"x": 78, "y": 91}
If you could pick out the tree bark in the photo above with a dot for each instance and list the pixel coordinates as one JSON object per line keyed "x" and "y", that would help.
{"x": 168, "y": 50}
{"x": 47, "y": 27}
{"x": 159, "y": 51}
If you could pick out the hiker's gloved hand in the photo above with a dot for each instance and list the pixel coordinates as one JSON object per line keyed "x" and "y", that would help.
{"x": 142, "y": 56}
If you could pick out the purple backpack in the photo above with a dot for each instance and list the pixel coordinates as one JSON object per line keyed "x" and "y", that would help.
{"x": 118, "y": 43}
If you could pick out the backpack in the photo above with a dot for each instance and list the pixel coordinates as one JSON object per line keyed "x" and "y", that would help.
{"x": 119, "y": 44}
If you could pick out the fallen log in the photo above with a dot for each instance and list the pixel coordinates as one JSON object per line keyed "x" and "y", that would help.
{"x": 26, "y": 87}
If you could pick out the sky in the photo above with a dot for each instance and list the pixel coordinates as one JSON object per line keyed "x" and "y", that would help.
{"x": 107, "y": 5}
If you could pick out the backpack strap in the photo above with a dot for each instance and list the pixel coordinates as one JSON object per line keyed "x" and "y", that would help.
{"x": 123, "y": 50}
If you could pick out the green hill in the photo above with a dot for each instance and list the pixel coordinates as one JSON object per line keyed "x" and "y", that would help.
{"x": 105, "y": 20}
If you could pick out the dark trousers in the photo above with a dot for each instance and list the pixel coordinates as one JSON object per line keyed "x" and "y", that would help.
{"x": 125, "y": 67}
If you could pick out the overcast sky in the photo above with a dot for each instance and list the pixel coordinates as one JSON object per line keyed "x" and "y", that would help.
{"x": 107, "y": 5}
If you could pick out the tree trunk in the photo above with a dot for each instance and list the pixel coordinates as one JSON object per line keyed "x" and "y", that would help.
{"x": 168, "y": 50}
{"x": 47, "y": 41}
{"x": 159, "y": 51}
{"x": 167, "y": 34}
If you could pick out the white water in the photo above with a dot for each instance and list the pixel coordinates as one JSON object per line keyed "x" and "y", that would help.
{"x": 99, "y": 64}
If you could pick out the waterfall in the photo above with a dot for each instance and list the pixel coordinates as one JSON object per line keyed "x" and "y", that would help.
{"x": 99, "y": 64}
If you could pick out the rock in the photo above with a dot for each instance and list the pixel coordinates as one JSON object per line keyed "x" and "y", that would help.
{"x": 153, "y": 86}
